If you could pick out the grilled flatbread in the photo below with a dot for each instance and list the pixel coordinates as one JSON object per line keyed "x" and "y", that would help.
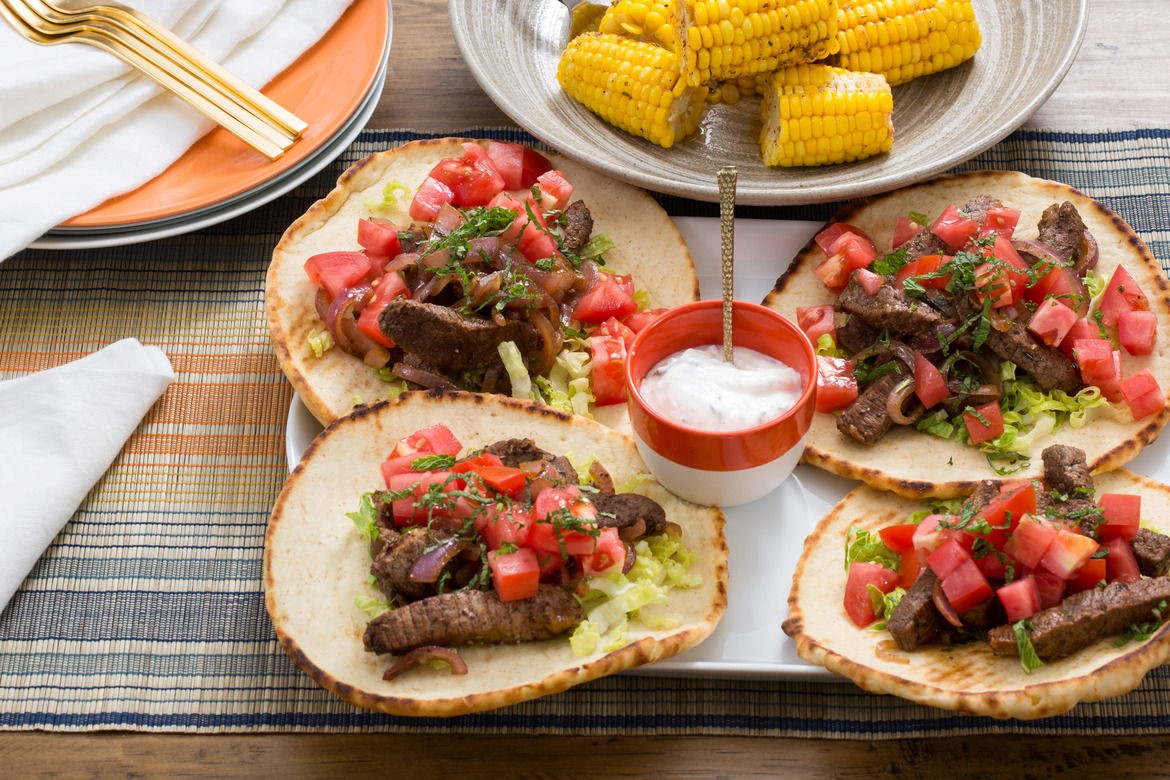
{"x": 316, "y": 564}
{"x": 916, "y": 464}
{"x": 647, "y": 245}
{"x": 967, "y": 678}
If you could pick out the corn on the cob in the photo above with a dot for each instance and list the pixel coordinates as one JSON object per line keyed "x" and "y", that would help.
{"x": 634, "y": 85}
{"x": 818, "y": 115}
{"x": 657, "y": 21}
{"x": 727, "y": 39}
{"x": 904, "y": 39}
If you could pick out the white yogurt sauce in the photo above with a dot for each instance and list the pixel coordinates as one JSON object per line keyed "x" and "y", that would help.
{"x": 698, "y": 388}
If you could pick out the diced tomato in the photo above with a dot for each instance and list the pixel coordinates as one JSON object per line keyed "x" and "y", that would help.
{"x": 1051, "y": 588}
{"x": 472, "y": 178}
{"x": 1137, "y": 331}
{"x": 1122, "y": 293}
{"x": 1088, "y": 576}
{"x": 550, "y": 562}
{"x": 555, "y": 190}
{"x": 816, "y": 321}
{"x": 984, "y": 423}
{"x": 564, "y": 522}
{"x": 641, "y": 318}
{"x": 1067, "y": 553}
{"x": 1020, "y": 599}
{"x": 992, "y": 564}
{"x": 908, "y": 568}
{"x": 501, "y": 524}
{"x": 405, "y": 510}
{"x": 1099, "y": 365}
{"x": 1081, "y": 329}
{"x": 615, "y": 328}
{"x": 929, "y": 384}
{"x": 429, "y": 198}
{"x": 846, "y": 249}
{"x": 931, "y": 533}
{"x": 611, "y": 296}
{"x": 926, "y": 271}
{"x": 1001, "y": 220}
{"x": 379, "y": 237}
{"x": 1120, "y": 563}
{"x": 991, "y": 281}
{"x": 607, "y": 369}
{"x": 515, "y": 575}
{"x": 949, "y": 556}
{"x": 435, "y": 439}
{"x": 609, "y": 554}
{"x": 966, "y": 587}
{"x": 503, "y": 479}
{"x": 1121, "y": 515}
{"x": 1031, "y": 539}
{"x": 386, "y": 289}
{"x": 335, "y": 271}
{"x": 1052, "y": 321}
{"x": 953, "y": 228}
{"x": 1003, "y": 513}
{"x": 518, "y": 164}
{"x": 836, "y": 384}
{"x": 1059, "y": 282}
{"x": 529, "y": 232}
{"x": 1012, "y": 265}
{"x": 1142, "y": 394}
{"x": 476, "y": 462}
{"x": 899, "y": 538}
{"x": 858, "y": 605}
{"x": 905, "y": 229}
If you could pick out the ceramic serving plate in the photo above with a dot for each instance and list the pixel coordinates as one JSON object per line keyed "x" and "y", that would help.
{"x": 939, "y": 120}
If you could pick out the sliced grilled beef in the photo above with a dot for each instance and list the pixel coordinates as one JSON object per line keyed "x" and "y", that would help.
{"x": 387, "y": 531}
{"x": 470, "y": 616}
{"x": 980, "y": 497}
{"x": 1050, "y": 367}
{"x": 866, "y": 419}
{"x": 392, "y": 567}
{"x": 448, "y": 341}
{"x": 635, "y": 516}
{"x": 916, "y": 621}
{"x": 578, "y": 226}
{"x": 1062, "y": 230}
{"x": 1069, "y": 488}
{"x": 853, "y": 335}
{"x": 977, "y": 207}
{"x": 522, "y": 453}
{"x": 1085, "y": 617}
{"x": 891, "y": 309}
{"x": 1152, "y": 551}
{"x": 925, "y": 243}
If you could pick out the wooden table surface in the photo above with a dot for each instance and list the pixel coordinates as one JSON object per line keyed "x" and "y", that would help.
{"x": 1119, "y": 80}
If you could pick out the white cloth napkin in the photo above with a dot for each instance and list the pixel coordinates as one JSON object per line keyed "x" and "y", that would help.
{"x": 77, "y": 126}
{"x": 59, "y": 431}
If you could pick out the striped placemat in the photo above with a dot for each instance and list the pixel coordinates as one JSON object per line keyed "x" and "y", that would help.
{"x": 147, "y": 612}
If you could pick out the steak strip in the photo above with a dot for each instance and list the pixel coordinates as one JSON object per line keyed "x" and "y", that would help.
{"x": 471, "y": 616}
{"x": 448, "y": 341}
{"x": 1085, "y": 617}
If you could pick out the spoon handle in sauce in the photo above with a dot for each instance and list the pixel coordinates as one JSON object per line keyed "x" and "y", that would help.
{"x": 726, "y": 177}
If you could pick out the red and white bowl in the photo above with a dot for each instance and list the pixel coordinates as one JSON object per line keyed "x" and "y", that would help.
{"x": 721, "y": 467}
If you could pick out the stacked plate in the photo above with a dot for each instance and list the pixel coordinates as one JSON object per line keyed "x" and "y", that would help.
{"x": 335, "y": 87}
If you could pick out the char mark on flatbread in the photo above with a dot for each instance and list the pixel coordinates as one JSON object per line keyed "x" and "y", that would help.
{"x": 473, "y": 616}
{"x": 1085, "y": 617}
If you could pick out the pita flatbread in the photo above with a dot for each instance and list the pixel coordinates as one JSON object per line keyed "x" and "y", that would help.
{"x": 916, "y": 464}
{"x": 647, "y": 245}
{"x": 967, "y": 678}
{"x": 315, "y": 563}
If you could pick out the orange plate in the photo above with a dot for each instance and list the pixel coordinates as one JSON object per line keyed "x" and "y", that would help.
{"x": 324, "y": 87}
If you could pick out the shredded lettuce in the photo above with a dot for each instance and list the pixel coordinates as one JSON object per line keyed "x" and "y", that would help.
{"x": 868, "y": 547}
{"x": 597, "y": 245}
{"x": 372, "y": 605}
{"x": 1029, "y": 413}
{"x": 827, "y": 346}
{"x": 364, "y": 518}
{"x": 320, "y": 342}
{"x": 613, "y": 600}
{"x": 394, "y": 194}
{"x": 567, "y": 387}
{"x": 517, "y": 371}
{"x": 1028, "y": 657}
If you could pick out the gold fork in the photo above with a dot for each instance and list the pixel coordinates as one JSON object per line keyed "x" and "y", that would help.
{"x": 241, "y": 123}
{"x": 158, "y": 37}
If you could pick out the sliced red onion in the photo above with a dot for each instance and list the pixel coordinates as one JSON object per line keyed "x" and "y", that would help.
{"x": 944, "y": 606}
{"x": 421, "y": 655}
{"x": 420, "y": 376}
{"x": 431, "y": 563}
{"x": 631, "y": 557}
{"x": 341, "y": 309}
{"x": 447, "y": 219}
{"x": 1090, "y": 253}
{"x": 896, "y": 404}
{"x": 403, "y": 261}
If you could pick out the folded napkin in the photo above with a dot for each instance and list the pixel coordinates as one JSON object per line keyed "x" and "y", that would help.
{"x": 77, "y": 126}
{"x": 59, "y": 431}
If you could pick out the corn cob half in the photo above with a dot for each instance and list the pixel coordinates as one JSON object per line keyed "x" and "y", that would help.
{"x": 632, "y": 84}
{"x": 904, "y": 39}
{"x": 726, "y": 39}
{"x": 818, "y": 115}
{"x": 657, "y": 21}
